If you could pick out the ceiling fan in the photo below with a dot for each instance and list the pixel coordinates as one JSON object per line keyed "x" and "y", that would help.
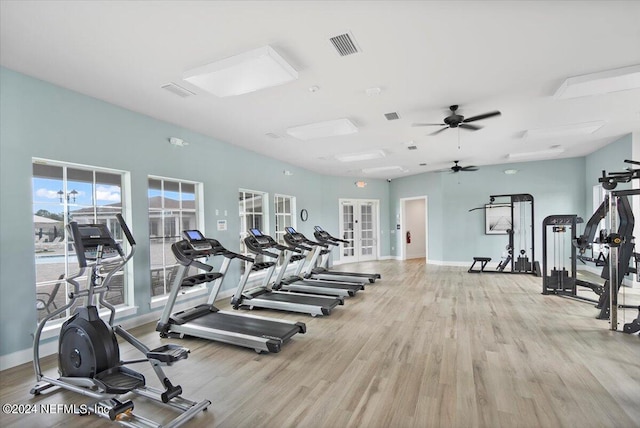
{"x": 457, "y": 168}
{"x": 458, "y": 121}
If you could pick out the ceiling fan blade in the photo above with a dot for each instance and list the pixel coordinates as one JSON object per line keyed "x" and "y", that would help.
{"x": 482, "y": 116}
{"x": 469, "y": 168}
{"x": 469, "y": 127}
{"x": 428, "y": 124}
{"x": 439, "y": 130}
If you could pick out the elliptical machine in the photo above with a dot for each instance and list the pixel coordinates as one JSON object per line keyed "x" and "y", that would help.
{"x": 89, "y": 356}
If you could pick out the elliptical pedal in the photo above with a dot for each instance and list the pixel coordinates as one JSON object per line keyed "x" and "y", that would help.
{"x": 120, "y": 380}
{"x": 168, "y": 354}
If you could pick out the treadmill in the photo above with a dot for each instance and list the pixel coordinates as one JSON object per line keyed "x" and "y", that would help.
{"x": 263, "y": 296}
{"x": 320, "y": 271}
{"x": 205, "y": 320}
{"x": 298, "y": 283}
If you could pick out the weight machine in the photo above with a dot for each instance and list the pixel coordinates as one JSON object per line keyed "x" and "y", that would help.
{"x": 621, "y": 244}
{"x": 616, "y": 208}
{"x": 558, "y": 279}
{"x": 521, "y": 211}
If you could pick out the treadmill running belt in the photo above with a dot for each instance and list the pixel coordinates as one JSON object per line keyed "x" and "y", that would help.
{"x": 246, "y": 325}
{"x": 295, "y": 298}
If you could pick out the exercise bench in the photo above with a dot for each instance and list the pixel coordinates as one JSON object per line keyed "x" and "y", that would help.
{"x": 483, "y": 263}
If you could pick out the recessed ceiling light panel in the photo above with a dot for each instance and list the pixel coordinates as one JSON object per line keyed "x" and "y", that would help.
{"x": 620, "y": 79}
{"x": 377, "y": 169}
{"x": 552, "y": 151}
{"x": 564, "y": 131}
{"x": 362, "y": 156}
{"x": 330, "y": 128}
{"x": 240, "y": 74}
{"x": 178, "y": 90}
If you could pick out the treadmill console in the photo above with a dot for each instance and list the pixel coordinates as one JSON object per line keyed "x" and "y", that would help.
{"x": 260, "y": 238}
{"x": 321, "y": 234}
{"x": 196, "y": 240}
{"x": 290, "y": 230}
{"x": 293, "y": 236}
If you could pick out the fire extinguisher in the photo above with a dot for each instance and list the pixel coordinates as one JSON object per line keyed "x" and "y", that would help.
{"x": 408, "y": 237}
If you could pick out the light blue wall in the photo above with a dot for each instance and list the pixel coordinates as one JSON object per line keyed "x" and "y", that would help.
{"x": 457, "y": 235}
{"x": 430, "y": 185}
{"x": 610, "y": 158}
{"x": 42, "y": 120}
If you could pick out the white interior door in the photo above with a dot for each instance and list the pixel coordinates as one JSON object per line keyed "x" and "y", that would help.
{"x": 359, "y": 226}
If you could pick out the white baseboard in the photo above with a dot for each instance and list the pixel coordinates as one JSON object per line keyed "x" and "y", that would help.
{"x": 450, "y": 263}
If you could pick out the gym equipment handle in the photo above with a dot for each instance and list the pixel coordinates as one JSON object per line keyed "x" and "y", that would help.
{"x": 125, "y": 229}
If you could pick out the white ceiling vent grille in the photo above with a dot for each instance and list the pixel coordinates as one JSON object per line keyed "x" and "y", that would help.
{"x": 392, "y": 116}
{"x": 345, "y": 44}
{"x": 178, "y": 90}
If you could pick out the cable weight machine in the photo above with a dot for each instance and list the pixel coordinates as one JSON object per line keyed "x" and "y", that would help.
{"x": 617, "y": 237}
{"x": 556, "y": 278}
{"x": 521, "y": 221}
{"x": 621, "y": 243}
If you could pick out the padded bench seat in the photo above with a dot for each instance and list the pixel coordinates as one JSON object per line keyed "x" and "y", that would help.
{"x": 483, "y": 263}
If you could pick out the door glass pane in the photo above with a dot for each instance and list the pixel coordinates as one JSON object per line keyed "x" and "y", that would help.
{"x": 348, "y": 249}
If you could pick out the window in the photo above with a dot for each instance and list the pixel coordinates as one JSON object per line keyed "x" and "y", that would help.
{"x": 253, "y": 209}
{"x": 173, "y": 207}
{"x": 284, "y": 207}
{"x": 63, "y": 193}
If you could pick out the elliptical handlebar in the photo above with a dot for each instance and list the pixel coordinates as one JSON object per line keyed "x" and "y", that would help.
{"x": 125, "y": 230}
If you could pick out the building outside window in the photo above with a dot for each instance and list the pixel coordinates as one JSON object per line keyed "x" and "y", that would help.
{"x": 253, "y": 211}
{"x": 173, "y": 207}
{"x": 62, "y": 193}
{"x": 284, "y": 206}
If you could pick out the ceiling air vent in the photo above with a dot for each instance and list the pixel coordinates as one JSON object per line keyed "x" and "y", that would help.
{"x": 178, "y": 90}
{"x": 392, "y": 116}
{"x": 345, "y": 44}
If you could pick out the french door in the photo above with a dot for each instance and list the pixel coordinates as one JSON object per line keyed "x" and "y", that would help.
{"x": 359, "y": 226}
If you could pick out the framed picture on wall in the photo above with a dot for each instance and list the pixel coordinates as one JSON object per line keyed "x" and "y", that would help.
{"x": 497, "y": 219}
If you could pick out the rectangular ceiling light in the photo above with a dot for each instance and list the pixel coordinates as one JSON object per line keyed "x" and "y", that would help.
{"x": 177, "y": 89}
{"x": 355, "y": 157}
{"x": 551, "y": 151}
{"x": 563, "y": 131}
{"x": 620, "y": 79}
{"x": 240, "y": 74}
{"x": 330, "y": 128}
{"x": 383, "y": 169}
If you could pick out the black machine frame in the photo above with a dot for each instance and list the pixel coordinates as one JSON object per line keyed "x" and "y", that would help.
{"x": 618, "y": 237}
{"x": 521, "y": 265}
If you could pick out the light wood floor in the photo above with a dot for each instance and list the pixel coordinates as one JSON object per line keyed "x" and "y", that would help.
{"x": 426, "y": 346}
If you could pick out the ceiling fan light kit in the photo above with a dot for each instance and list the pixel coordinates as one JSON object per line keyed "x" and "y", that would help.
{"x": 457, "y": 168}
{"x": 455, "y": 120}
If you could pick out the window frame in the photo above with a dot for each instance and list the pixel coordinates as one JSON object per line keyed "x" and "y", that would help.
{"x": 67, "y": 200}
{"x": 163, "y": 271}
{"x": 279, "y": 226}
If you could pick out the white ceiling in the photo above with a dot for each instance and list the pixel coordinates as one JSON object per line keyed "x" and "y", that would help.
{"x": 425, "y": 56}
